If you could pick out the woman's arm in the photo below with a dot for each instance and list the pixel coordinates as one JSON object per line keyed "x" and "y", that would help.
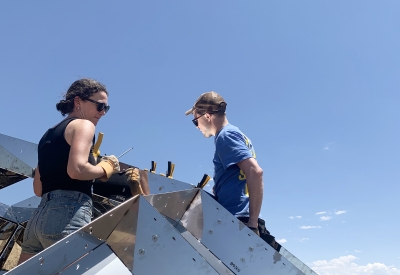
{"x": 79, "y": 135}
{"x": 37, "y": 183}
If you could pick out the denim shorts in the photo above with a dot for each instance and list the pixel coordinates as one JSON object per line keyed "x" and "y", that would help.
{"x": 60, "y": 213}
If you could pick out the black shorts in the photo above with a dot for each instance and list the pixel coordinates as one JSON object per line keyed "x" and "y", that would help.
{"x": 264, "y": 233}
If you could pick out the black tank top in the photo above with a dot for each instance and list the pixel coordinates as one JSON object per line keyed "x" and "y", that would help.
{"x": 53, "y": 153}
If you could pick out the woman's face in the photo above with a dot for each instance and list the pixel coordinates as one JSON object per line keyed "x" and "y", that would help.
{"x": 89, "y": 109}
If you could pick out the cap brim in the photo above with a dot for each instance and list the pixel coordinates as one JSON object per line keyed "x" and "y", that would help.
{"x": 190, "y": 111}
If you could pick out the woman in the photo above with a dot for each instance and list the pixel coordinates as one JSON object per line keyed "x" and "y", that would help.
{"x": 67, "y": 168}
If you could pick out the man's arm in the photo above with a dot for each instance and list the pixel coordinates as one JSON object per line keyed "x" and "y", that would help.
{"x": 255, "y": 186}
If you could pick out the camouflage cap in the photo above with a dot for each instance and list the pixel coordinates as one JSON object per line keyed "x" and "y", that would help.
{"x": 211, "y": 102}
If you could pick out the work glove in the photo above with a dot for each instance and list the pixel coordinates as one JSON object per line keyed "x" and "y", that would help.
{"x": 255, "y": 230}
{"x": 110, "y": 165}
{"x": 133, "y": 177}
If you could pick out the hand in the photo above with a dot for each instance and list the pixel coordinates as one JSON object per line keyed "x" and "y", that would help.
{"x": 132, "y": 174}
{"x": 133, "y": 177}
{"x": 110, "y": 165}
{"x": 254, "y": 229}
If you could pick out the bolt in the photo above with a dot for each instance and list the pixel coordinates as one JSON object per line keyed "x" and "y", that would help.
{"x": 142, "y": 252}
{"x": 251, "y": 249}
{"x": 219, "y": 221}
{"x": 154, "y": 238}
{"x": 210, "y": 231}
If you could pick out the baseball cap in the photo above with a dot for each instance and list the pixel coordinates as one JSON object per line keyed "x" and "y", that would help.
{"x": 211, "y": 102}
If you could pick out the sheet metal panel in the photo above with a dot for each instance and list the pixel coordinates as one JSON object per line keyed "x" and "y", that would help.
{"x": 122, "y": 240}
{"x": 103, "y": 226}
{"x": 7, "y": 213}
{"x": 240, "y": 249}
{"x": 58, "y": 256}
{"x": 173, "y": 204}
{"x": 159, "y": 184}
{"x": 24, "y": 210}
{"x": 100, "y": 261}
{"x": 24, "y": 150}
{"x": 296, "y": 262}
{"x": 12, "y": 164}
{"x": 160, "y": 249}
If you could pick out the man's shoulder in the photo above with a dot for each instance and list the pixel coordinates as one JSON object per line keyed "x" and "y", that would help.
{"x": 230, "y": 136}
{"x": 228, "y": 130}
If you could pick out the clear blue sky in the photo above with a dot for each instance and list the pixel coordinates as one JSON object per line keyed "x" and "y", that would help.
{"x": 314, "y": 84}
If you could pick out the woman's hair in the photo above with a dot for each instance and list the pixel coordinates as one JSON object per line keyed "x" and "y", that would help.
{"x": 83, "y": 88}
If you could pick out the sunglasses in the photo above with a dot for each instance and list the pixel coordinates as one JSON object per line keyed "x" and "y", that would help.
{"x": 100, "y": 105}
{"x": 195, "y": 120}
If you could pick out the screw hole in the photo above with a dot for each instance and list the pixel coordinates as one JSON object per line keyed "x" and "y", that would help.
{"x": 155, "y": 219}
{"x": 173, "y": 238}
{"x": 194, "y": 259}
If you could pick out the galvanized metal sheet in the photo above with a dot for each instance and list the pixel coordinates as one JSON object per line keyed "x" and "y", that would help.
{"x": 24, "y": 150}
{"x": 192, "y": 220}
{"x": 296, "y": 262}
{"x": 32, "y": 202}
{"x": 100, "y": 261}
{"x": 58, "y": 256}
{"x": 213, "y": 261}
{"x": 160, "y": 249}
{"x": 122, "y": 240}
{"x": 7, "y": 213}
{"x": 173, "y": 204}
{"x": 103, "y": 226}
{"x": 24, "y": 210}
{"x": 13, "y": 164}
{"x": 248, "y": 253}
{"x": 8, "y": 178}
{"x": 159, "y": 184}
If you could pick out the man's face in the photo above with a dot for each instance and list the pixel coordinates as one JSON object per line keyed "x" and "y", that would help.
{"x": 203, "y": 123}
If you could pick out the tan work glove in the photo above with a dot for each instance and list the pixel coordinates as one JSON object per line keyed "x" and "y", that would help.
{"x": 133, "y": 177}
{"x": 110, "y": 165}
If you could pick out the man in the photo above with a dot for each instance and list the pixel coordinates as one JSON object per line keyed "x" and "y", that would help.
{"x": 237, "y": 175}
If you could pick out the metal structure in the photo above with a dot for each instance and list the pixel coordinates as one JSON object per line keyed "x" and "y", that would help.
{"x": 178, "y": 229}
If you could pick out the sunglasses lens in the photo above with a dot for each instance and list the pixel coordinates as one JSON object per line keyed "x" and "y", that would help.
{"x": 102, "y": 106}
{"x": 195, "y": 122}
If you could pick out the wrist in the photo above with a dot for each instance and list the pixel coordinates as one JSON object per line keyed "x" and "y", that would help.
{"x": 252, "y": 224}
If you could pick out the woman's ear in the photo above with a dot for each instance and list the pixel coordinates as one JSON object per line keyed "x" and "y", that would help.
{"x": 77, "y": 102}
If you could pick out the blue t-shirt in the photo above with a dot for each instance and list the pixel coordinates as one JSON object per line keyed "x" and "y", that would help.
{"x": 230, "y": 189}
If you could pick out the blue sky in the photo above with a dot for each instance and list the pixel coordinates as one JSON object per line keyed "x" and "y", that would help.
{"x": 313, "y": 84}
